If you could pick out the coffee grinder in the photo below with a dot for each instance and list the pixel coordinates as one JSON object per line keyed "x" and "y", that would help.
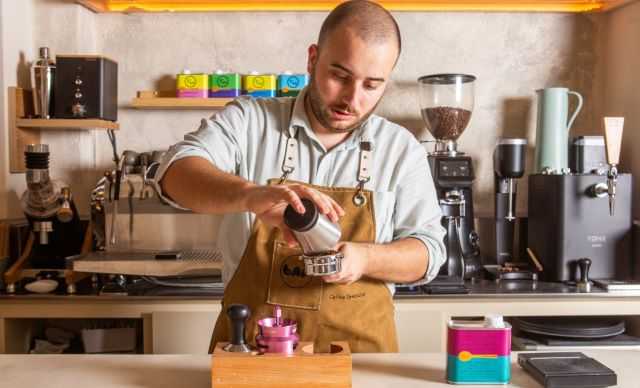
{"x": 57, "y": 231}
{"x": 509, "y": 159}
{"x": 446, "y": 103}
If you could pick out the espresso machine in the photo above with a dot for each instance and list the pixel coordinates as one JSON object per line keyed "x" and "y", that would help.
{"x": 446, "y": 103}
{"x": 580, "y": 223}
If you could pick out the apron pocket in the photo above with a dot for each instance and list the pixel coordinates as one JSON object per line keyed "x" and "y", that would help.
{"x": 288, "y": 284}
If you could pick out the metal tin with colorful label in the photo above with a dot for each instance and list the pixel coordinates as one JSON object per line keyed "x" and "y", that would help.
{"x": 290, "y": 85}
{"x": 227, "y": 85}
{"x": 259, "y": 85}
{"x": 479, "y": 353}
{"x": 192, "y": 85}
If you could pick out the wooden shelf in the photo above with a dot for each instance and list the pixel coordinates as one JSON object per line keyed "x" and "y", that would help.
{"x": 81, "y": 124}
{"x": 168, "y": 100}
{"x": 23, "y": 131}
{"x": 130, "y": 6}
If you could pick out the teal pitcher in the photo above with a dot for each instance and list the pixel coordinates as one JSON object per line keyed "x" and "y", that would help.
{"x": 552, "y": 130}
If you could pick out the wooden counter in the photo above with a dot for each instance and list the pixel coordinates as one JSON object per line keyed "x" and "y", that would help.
{"x": 416, "y": 370}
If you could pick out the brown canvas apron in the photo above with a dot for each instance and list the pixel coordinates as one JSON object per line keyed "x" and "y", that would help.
{"x": 271, "y": 273}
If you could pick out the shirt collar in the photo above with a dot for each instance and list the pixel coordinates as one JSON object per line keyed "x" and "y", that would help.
{"x": 300, "y": 121}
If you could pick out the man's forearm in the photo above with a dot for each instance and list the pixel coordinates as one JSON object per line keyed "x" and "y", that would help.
{"x": 195, "y": 183}
{"x": 401, "y": 261}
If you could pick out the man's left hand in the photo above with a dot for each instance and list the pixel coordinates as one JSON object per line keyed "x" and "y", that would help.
{"x": 354, "y": 263}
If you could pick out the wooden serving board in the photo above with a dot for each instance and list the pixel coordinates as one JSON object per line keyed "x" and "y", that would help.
{"x": 302, "y": 369}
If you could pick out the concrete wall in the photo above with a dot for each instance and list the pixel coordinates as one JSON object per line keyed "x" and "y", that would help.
{"x": 512, "y": 54}
{"x": 621, "y": 80}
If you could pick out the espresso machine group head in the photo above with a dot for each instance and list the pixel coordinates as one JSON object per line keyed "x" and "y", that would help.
{"x": 446, "y": 103}
{"x": 509, "y": 160}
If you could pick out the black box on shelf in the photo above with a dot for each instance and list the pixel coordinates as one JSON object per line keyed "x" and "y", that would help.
{"x": 86, "y": 87}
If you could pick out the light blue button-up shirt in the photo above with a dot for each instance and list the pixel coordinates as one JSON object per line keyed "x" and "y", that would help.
{"x": 248, "y": 138}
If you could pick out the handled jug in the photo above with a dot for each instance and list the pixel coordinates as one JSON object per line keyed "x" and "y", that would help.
{"x": 552, "y": 129}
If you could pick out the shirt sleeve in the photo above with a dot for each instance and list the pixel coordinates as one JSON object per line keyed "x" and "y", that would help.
{"x": 417, "y": 212}
{"x": 220, "y": 140}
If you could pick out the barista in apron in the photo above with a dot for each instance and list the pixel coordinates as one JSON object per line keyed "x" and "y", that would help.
{"x": 271, "y": 273}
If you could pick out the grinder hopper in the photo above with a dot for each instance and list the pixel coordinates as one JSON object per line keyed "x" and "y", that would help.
{"x": 446, "y": 103}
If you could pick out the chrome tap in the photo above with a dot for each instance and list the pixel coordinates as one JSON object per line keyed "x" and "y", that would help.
{"x": 612, "y": 180}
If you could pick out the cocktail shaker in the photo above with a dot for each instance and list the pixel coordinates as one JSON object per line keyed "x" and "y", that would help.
{"x": 42, "y": 78}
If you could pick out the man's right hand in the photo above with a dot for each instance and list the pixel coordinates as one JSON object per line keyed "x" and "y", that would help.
{"x": 269, "y": 202}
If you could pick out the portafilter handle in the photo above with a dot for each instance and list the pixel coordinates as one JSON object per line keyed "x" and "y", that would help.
{"x": 238, "y": 315}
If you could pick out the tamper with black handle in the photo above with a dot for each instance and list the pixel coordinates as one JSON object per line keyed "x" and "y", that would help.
{"x": 238, "y": 314}
{"x": 584, "y": 284}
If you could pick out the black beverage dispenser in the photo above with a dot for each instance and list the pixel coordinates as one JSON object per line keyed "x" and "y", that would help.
{"x": 578, "y": 216}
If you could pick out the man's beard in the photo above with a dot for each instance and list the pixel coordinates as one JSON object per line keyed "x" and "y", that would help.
{"x": 322, "y": 112}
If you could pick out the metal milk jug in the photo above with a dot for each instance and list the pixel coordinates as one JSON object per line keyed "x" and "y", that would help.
{"x": 552, "y": 129}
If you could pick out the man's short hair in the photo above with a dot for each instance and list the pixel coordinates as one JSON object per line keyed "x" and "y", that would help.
{"x": 370, "y": 21}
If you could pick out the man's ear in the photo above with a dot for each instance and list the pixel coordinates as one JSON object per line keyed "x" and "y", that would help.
{"x": 312, "y": 58}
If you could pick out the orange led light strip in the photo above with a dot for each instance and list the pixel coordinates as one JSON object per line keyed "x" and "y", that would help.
{"x": 395, "y": 5}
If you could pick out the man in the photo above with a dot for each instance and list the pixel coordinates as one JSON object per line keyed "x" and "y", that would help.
{"x": 388, "y": 212}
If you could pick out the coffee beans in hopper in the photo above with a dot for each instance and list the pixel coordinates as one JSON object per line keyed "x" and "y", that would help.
{"x": 446, "y": 123}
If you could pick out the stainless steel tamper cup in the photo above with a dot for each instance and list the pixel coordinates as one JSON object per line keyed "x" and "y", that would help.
{"x": 317, "y": 236}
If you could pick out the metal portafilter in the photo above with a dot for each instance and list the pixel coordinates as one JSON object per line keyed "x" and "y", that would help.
{"x": 238, "y": 315}
{"x": 317, "y": 236}
{"x": 453, "y": 209}
{"x": 509, "y": 160}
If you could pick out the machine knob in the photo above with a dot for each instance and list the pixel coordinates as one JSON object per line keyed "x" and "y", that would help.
{"x": 79, "y": 110}
{"x": 584, "y": 284}
{"x": 238, "y": 314}
{"x": 599, "y": 190}
{"x": 65, "y": 213}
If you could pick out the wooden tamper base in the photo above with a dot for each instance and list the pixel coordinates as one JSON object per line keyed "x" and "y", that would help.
{"x": 303, "y": 368}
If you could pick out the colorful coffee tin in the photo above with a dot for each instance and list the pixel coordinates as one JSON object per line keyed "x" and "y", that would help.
{"x": 479, "y": 352}
{"x": 192, "y": 85}
{"x": 290, "y": 85}
{"x": 259, "y": 85}
{"x": 227, "y": 85}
